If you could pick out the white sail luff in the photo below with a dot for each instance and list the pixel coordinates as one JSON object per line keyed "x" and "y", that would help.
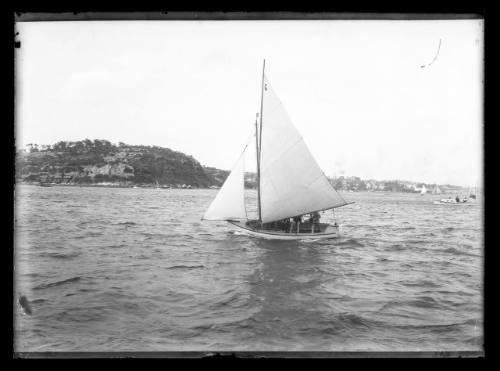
{"x": 230, "y": 200}
{"x": 291, "y": 182}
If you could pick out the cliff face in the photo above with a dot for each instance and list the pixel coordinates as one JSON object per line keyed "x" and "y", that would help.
{"x": 98, "y": 161}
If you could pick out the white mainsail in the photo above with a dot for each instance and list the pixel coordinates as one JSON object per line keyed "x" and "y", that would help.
{"x": 230, "y": 201}
{"x": 291, "y": 182}
{"x": 423, "y": 191}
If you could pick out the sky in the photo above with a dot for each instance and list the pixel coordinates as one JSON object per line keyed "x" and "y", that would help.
{"x": 375, "y": 99}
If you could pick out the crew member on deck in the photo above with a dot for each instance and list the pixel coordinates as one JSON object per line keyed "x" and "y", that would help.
{"x": 314, "y": 220}
{"x": 285, "y": 224}
{"x": 316, "y": 217}
{"x": 297, "y": 220}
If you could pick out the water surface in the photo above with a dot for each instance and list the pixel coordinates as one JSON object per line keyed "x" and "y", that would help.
{"x": 123, "y": 269}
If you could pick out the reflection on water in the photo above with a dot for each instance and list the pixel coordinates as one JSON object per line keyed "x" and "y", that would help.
{"x": 284, "y": 284}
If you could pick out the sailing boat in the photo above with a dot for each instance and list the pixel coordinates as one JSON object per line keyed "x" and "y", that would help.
{"x": 423, "y": 190}
{"x": 453, "y": 201}
{"x": 289, "y": 181}
{"x": 436, "y": 190}
{"x": 472, "y": 194}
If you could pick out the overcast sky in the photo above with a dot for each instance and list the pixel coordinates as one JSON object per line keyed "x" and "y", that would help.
{"x": 375, "y": 99}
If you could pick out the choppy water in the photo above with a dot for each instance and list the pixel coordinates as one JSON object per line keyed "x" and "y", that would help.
{"x": 136, "y": 269}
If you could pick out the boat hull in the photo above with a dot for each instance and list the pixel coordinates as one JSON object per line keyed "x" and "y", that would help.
{"x": 331, "y": 231}
{"x": 450, "y": 202}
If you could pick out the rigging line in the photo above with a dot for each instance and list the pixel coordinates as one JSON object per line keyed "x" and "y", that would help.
{"x": 241, "y": 154}
{"x": 321, "y": 176}
{"x": 338, "y": 192}
{"x": 247, "y": 142}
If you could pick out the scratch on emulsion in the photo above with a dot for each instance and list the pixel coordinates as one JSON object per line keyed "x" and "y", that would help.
{"x": 435, "y": 57}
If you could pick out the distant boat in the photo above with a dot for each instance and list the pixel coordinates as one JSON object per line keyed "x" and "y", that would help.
{"x": 423, "y": 190}
{"x": 452, "y": 200}
{"x": 44, "y": 184}
{"x": 290, "y": 183}
{"x": 436, "y": 190}
{"x": 473, "y": 193}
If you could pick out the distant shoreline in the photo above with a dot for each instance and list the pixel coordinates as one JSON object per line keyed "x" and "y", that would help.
{"x": 152, "y": 186}
{"x": 92, "y": 185}
{"x": 100, "y": 163}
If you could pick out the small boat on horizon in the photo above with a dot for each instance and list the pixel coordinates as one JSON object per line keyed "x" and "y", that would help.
{"x": 473, "y": 193}
{"x": 451, "y": 200}
{"x": 436, "y": 190}
{"x": 290, "y": 184}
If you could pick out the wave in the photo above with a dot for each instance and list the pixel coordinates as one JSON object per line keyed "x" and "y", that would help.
{"x": 405, "y": 228}
{"x": 80, "y": 314}
{"x": 181, "y": 266}
{"x": 153, "y": 235}
{"x": 227, "y": 298}
{"x": 34, "y": 275}
{"x": 227, "y": 301}
{"x": 57, "y": 283}
{"x": 417, "y": 241}
{"x": 424, "y": 302}
{"x": 56, "y": 255}
{"x": 458, "y": 292}
{"x": 116, "y": 246}
{"x": 203, "y": 327}
{"x": 384, "y": 260}
{"x": 436, "y": 328}
{"x": 93, "y": 234}
{"x": 125, "y": 223}
{"x": 356, "y": 320}
{"x": 475, "y": 340}
{"x": 454, "y": 251}
{"x": 423, "y": 283}
{"x": 351, "y": 242}
{"x": 37, "y": 301}
{"x": 419, "y": 302}
{"x": 87, "y": 290}
{"x": 396, "y": 247}
{"x": 473, "y": 321}
{"x": 347, "y": 321}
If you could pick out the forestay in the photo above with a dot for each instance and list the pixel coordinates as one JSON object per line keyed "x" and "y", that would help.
{"x": 230, "y": 201}
{"x": 291, "y": 182}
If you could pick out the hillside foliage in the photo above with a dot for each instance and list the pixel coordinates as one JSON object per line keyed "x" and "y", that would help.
{"x": 97, "y": 161}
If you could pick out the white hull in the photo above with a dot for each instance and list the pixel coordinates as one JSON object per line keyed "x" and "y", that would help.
{"x": 331, "y": 231}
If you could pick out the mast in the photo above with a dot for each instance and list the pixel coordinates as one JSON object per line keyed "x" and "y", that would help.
{"x": 258, "y": 139}
{"x": 258, "y": 163}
